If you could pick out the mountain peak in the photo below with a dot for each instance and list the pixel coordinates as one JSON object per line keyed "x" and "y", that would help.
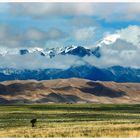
{"x": 23, "y": 51}
{"x": 77, "y": 50}
{"x": 109, "y": 39}
{"x": 34, "y": 49}
{"x": 70, "y": 48}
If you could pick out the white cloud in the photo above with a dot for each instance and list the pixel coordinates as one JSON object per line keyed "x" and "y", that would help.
{"x": 84, "y": 33}
{"x": 36, "y": 61}
{"x": 10, "y": 37}
{"x": 51, "y": 9}
{"x": 35, "y": 34}
{"x": 132, "y": 11}
{"x": 128, "y": 37}
{"x": 82, "y": 22}
{"x": 131, "y": 34}
{"x": 123, "y": 50}
{"x": 54, "y": 33}
{"x": 112, "y": 57}
{"x": 107, "y": 11}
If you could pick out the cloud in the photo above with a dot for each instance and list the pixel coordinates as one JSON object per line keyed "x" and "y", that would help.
{"x": 35, "y": 61}
{"x": 38, "y": 35}
{"x": 84, "y": 33}
{"x": 117, "y": 12}
{"x": 82, "y": 22}
{"x": 110, "y": 57}
{"x": 123, "y": 51}
{"x": 3, "y": 7}
{"x": 10, "y": 37}
{"x": 131, "y": 34}
{"x": 132, "y": 11}
{"x": 126, "y": 58}
{"x": 51, "y": 9}
{"x": 54, "y": 44}
{"x": 35, "y": 34}
{"x": 54, "y": 33}
{"x": 107, "y": 11}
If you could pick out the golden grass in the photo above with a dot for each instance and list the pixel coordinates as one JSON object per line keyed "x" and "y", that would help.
{"x": 81, "y": 129}
{"x": 88, "y": 120}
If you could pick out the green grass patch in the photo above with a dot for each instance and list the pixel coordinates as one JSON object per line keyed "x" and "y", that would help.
{"x": 70, "y": 120}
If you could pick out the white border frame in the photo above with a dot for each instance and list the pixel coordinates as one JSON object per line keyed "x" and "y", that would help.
{"x": 75, "y": 1}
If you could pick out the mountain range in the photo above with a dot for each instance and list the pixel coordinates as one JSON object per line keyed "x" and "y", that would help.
{"x": 69, "y": 50}
{"x": 52, "y": 52}
{"x": 115, "y": 73}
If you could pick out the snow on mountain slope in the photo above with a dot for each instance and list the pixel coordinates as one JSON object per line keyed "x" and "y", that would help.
{"x": 69, "y": 50}
{"x": 8, "y": 51}
{"x": 108, "y": 40}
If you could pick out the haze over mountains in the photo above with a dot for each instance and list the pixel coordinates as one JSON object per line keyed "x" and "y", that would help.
{"x": 68, "y": 91}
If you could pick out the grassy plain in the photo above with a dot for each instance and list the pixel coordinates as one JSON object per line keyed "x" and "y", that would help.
{"x": 70, "y": 120}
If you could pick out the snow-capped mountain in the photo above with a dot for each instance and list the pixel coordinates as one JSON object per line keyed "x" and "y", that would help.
{"x": 77, "y": 50}
{"x": 110, "y": 43}
{"x": 80, "y": 51}
{"x": 52, "y": 52}
{"x": 71, "y": 50}
{"x": 108, "y": 40}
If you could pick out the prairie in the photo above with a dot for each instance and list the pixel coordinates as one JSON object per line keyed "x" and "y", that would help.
{"x": 70, "y": 120}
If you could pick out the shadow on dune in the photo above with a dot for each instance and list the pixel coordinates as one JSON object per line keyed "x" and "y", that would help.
{"x": 14, "y": 88}
{"x": 99, "y": 89}
{"x": 58, "y": 98}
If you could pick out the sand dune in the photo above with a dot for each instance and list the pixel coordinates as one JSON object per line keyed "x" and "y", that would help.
{"x": 71, "y": 90}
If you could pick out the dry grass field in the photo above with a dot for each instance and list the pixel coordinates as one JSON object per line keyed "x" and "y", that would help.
{"x": 70, "y": 120}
